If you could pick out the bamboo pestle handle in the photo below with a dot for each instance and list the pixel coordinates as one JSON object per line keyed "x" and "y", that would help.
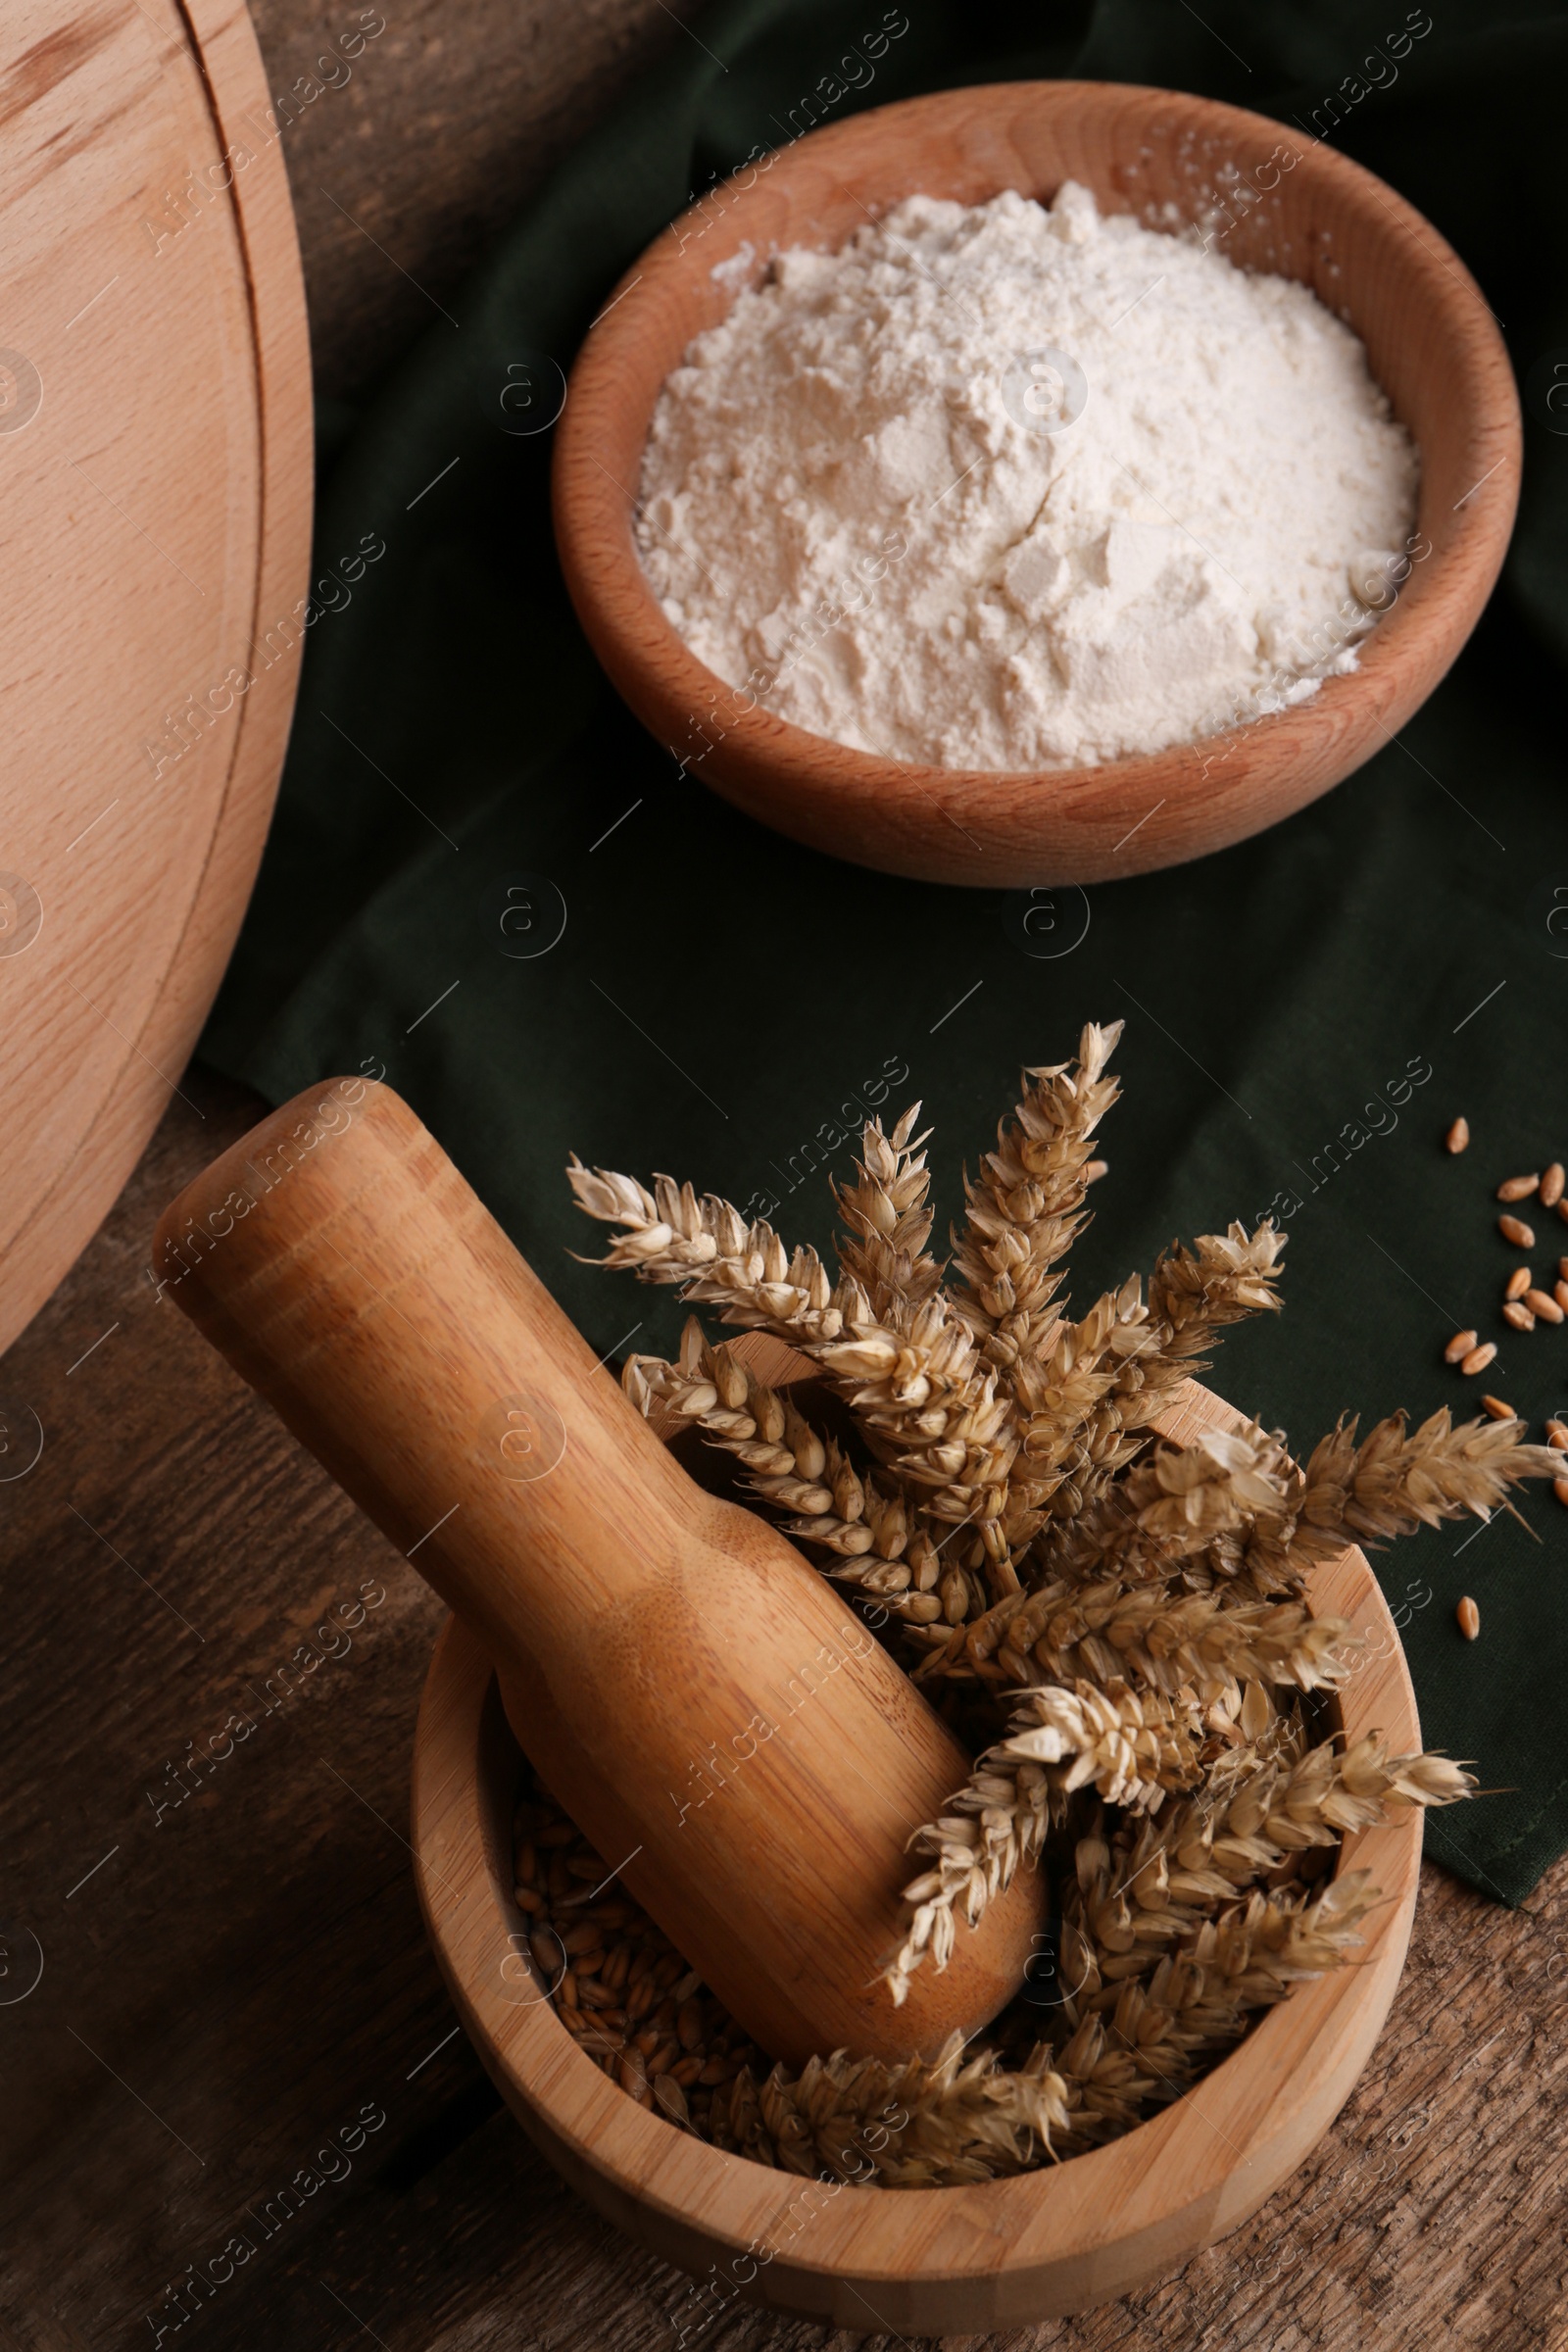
{"x": 703, "y": 1702}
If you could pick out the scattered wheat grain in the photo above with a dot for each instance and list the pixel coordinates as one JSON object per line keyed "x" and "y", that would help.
{"x": 1458, "y": 1136}
{"x": 1515, "y": 1230}
{"x": 1469, "y": 1617}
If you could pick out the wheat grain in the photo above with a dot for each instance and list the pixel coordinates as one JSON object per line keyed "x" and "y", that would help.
{"x": 648, "y": 2023}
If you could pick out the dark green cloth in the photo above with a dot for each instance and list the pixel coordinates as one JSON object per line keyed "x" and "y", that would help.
{"x": 724, "y": 1006}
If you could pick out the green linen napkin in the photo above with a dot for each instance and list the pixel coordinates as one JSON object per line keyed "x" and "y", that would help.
{"x": 485, "y": 876}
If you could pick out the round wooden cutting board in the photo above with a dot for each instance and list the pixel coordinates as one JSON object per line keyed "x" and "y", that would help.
{"x": 155, "y": 477}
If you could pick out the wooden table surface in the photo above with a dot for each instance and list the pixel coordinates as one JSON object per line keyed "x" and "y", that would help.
{"x": 236, "y": 1992}
{"x": 410, "y": 147}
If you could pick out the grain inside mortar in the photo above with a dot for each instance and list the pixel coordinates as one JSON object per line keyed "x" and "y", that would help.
{"x": 618, "y": 1985}
{"x": 645, "y": 2020}
{"x": 631, "y": 2002}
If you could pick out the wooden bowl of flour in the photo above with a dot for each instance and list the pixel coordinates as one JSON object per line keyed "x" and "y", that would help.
{"x": 1282, "y": 205}
{"x": 907, "y": 2262}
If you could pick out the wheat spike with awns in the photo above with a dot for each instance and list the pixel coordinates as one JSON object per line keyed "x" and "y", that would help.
{"x": 1117, "y": 1621}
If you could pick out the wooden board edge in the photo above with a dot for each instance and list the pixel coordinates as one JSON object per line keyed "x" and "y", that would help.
{"x": 61, "y": 1223}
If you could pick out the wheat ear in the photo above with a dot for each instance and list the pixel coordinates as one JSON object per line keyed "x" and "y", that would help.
{"x": 889, "y": 1223}
{"x": 1130, "y": 1748}
{"x": 1194, "y": 1294}
{"x": 1138, "y": 1892}
{"x": 922, "y": 2124}
{"x": 1026, "y": 1208}
{"x": 1153, "y": 1637}
{"x": 929, "y": 1407}
{"x": 1394, "y": 1480}
{"x": 861, "y": 1520}
{"x": 1154, "y": 2037}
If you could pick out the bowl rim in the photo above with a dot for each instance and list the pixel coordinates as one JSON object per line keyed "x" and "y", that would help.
{"x": 1084, "y": 2230}
{"x": 1400, "y": 661}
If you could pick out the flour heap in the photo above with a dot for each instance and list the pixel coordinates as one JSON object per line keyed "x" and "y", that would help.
{"x": 1009, "y": 486}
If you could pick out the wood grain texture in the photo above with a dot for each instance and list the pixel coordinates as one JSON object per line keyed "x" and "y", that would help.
{"x": 408, "y": 159}
{"x": 155, "y": 454}
{"x": 692, "y": 1691}
{"x": 931, "y": 2260}
{"x": 256, "y": 1968}
{"x": 1320, "y": 217}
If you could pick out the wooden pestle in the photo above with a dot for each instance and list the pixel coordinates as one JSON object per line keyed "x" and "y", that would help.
{"x": 746, "y": 1758}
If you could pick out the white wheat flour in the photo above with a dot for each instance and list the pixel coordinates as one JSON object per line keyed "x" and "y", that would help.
{"x": 866, "y": 501}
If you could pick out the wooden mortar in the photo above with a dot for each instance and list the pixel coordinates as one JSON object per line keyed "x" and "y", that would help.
{"x": 745, "y": 1755}
{"x": 907, "y": 2262}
